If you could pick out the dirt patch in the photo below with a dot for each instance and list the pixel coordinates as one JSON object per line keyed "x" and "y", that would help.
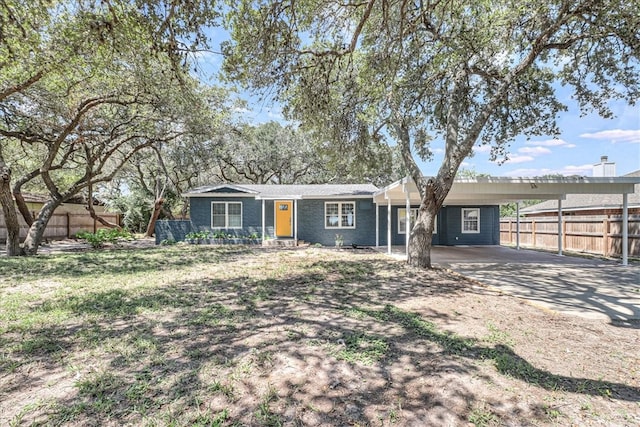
{"x": 238, "y": 336}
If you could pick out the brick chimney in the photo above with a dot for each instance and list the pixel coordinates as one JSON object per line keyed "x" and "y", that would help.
{"x": 604, "y": 168}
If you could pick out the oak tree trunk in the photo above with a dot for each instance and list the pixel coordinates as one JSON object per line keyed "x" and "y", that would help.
{"x": 9, "y": 211}
{"x": 36, "y": 231}
{"x": 157, "y": 208}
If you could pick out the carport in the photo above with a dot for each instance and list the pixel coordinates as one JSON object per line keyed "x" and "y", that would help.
{"x": 500, "y": 190}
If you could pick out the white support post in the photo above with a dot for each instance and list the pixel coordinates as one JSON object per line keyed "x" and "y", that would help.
{"x": 377, "y": 226}
{"x": 625, "y": 229}
{"x": 407, "y": 228}
{"x": 518, "y": 225}
{"x": 389, "y": 226}
{"x": 263, "y": 221}
{"x": 560, "y": 227}
{"x": 295, "y": 221}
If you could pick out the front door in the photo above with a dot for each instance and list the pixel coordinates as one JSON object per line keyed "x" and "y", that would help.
{"x": 284, "y": 218}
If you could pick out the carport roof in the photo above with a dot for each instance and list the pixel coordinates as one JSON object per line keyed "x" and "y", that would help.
{"x": 498, "y": 190}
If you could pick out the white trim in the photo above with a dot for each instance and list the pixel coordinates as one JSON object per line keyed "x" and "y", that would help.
{"x": 338, "y": 197}
{"x": 319, "y": 197}
{"x": 216, "y": 195}
{"x": 226, "y": 215}
{"x": 462, "y": 230}
{"x": 340, "y": 226}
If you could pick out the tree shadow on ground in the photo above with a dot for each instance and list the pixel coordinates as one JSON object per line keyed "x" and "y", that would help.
{"x": 327, "y": 343}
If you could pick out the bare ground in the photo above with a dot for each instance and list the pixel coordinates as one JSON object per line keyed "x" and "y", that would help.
{"x": 318, "y": 337}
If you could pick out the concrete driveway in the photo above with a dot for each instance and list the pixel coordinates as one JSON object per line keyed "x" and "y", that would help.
{"x": 589, "y": 288}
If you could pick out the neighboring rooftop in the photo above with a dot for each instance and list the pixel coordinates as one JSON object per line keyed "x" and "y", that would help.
{"x": 579, "y": 202}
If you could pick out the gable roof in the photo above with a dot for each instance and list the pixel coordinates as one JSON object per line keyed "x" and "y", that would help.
{"x": 291, "y": 191}
{"x": 577, "y": 202}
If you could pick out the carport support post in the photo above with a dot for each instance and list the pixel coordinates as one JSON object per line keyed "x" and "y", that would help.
{"x": 295, "y": 221}
{"x": 560, "y": 227}
{"x": 263, "y": 221}
{"x": 518, "y": 225}
{"x": 377, "y": 225}
{"x": 625, "y": 229}
{"x": 407, "y": 229}
{"x": 389, "y": 226}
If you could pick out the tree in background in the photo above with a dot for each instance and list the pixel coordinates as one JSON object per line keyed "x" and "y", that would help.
{"x": 86, "y": 86}
{"x": 270, "y": 153}
{"x": 465, "y": 73}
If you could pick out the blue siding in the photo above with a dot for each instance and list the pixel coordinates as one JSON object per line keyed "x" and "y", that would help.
{"x": 449, "y": 227}
{"x": 172, "y": 230}
{"x": 311, "y": 227}
{"x": 311, "y": 223}
{"x": 489, "y": 227}
{"x": 200, "y": 211}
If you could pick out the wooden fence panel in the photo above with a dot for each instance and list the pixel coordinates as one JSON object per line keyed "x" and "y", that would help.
{"x": 63, "y": 225}
{"x": 596, "y": 235}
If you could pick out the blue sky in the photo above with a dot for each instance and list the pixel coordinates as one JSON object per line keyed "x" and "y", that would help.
{"x": 583, "y": 140}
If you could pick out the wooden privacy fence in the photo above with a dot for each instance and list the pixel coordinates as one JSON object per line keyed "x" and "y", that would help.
{"x": 63, "y": 225}
{"x": 599, "y": 235}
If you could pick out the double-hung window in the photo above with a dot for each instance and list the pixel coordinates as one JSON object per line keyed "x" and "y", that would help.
{"x": 226, "y": 214}
{"x": 340, "y": 215}
{"x": 402, "y": 220}
{"x": 470, "y": 220}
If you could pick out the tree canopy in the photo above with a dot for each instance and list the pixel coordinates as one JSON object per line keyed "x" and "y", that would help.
{"x": 462, "y": 72}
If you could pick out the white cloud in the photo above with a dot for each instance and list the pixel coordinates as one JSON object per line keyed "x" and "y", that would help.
{"x": 437, "y": 150}
{"x": 551, "y": 143}
{"x": 519, "y": 159}
{"x": 534, "y": 151}
{"x": 482, "y": 149}
{"x": 241, "y": 110}
{"x": 615, "y": 135}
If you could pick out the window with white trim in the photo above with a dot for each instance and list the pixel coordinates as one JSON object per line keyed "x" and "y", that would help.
{"x": 470, "y": 220}
{"x": 226, "y": 214}
{"x": 402, "y": 220}
{"x": 339, "y": 214}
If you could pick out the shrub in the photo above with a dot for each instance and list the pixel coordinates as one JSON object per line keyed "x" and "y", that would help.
{"x": 104, "y": 235}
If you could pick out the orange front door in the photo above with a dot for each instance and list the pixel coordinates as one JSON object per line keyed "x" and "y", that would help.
{"x": 284, "y": 218}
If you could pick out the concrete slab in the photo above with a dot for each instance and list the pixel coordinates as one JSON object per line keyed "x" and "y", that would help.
{"x": 585, "y": 287}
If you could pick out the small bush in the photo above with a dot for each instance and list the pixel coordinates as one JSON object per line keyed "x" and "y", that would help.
{"x": 104, "y": 235}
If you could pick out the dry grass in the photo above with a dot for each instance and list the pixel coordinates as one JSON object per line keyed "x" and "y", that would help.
{"x": 196, "y": 335}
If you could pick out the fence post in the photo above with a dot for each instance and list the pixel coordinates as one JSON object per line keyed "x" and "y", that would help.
{"x": 68, "y": 225}
{"x": 510, "y": 239}
{"x": 533, "y": 233}
{"x": 605, "y": 237}
{"x": 564, "y": 232}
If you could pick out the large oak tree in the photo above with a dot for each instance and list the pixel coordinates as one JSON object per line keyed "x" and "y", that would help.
{"x": 467, "y": 73}
{"x": 84, "y": 86}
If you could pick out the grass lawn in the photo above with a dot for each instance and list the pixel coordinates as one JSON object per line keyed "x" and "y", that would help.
{"x": 222, "y": 336}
